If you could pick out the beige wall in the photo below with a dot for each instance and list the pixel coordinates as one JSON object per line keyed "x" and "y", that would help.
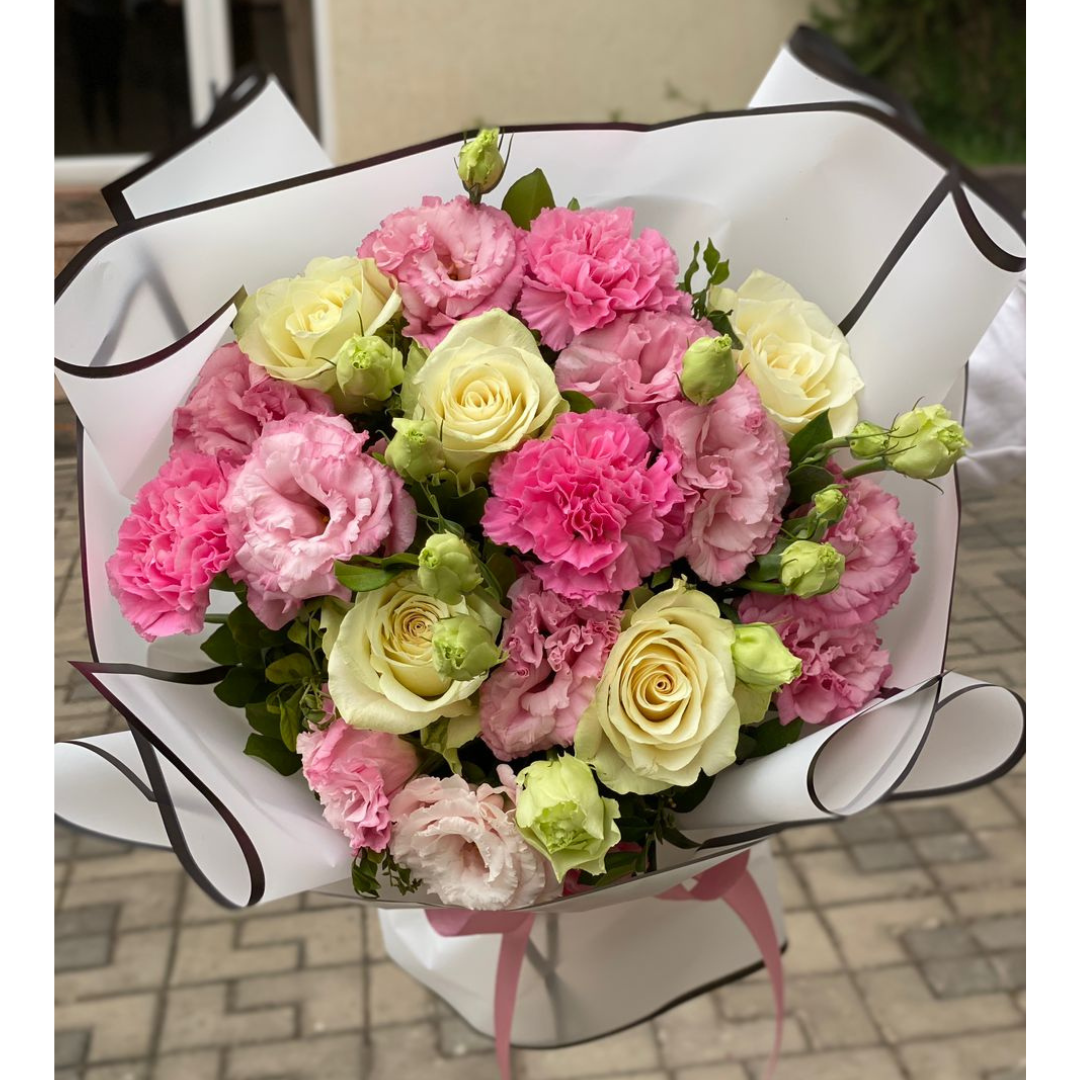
{"x": 403, "y": 71}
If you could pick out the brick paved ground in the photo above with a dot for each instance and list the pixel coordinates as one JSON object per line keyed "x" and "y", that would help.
{"x": 906, "y": 924}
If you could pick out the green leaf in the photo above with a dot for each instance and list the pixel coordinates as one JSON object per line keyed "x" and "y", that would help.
{"x": 771, "y": 736}
{"x": 290, "y": 669}
{"x": 527, "y": 197}
{"x": 223, "y": 583}
{"x": 502, "y": 566}
{"x": 672, "y": 836}
{"x": 661, "y": 577}
{"x": 573, "y": 204}
{"x": 819, "y": 430}
{"x": 805, "y": 480}
{"x": 364, "y": 578}
{"x": 685, "y": 799}
{"x": 692, "y": 268}
{"x": 220, "y": 646}
{"x": 578, "y": 402}
{"x": 239, "y": 686}
{"x": 298, "y": 632}
{"x": 263, "y": 719}
{"x": 719, "y": 270}
{"x": 721, "y": 322}
{"x": 273, "y": 753}
{"x": 291, "y": 716}
{"x": 247, "y": 630}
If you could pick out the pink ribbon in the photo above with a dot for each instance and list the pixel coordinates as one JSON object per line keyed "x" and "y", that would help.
{"x": 729, "y": 881}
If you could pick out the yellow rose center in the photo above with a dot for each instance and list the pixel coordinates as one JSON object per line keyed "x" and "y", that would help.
{"x": 406, "y": 641}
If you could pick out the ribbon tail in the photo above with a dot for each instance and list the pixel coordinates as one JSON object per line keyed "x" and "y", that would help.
{"x": 508, "y": 975}
{"x": 745, "y": 899}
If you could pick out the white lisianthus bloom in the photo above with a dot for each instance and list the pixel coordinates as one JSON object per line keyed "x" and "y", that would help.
{"x": 381, "y": 671}
{"x": 294, "y": 327}
{"x": 793, "y": 352}
{"x": 664, "y": 710}
{"x": 487, "y": 388}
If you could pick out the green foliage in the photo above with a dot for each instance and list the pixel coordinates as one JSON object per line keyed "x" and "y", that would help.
{"x": 273, "y": 753}
{"x": 527, "y": 197}
{"x": 578, "y": 402}
{"x": 766, "y": 738}
{"x": 718, "y": 272}
{"x": 368, "y": 865}
{"x": 961, "y": 64}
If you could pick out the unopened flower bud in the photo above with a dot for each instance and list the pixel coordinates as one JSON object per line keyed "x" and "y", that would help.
{"x": 829, "y": 504}
{"x": 447, "y": 568}
{"x": 367, "y": 371}
{"x": 462, "y": 648}
{"x": 868, "y": 440}
{"x": 762, "y": 660}
{"x": 480, "y": 165}
{"x": 415, "y": 450}
{"x": 926, "y": 443}
{"x": 809, "y": 569}
{"x": 708, "y": 369}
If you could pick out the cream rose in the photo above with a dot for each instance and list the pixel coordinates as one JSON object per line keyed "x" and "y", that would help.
{"x": 664, "y": 710}
{"x": 488, "y": 388}
{"x": 796, "y": 356}
{"x": 381, "y": 672}
{"x": 294, "y": 327}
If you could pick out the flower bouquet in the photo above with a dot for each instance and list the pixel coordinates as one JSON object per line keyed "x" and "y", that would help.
{"x": 563, "y": 547}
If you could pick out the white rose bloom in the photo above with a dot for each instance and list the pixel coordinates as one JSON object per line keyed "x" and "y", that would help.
{"x": 664, "y": 710}
{"x": 796, "y": 356}
{"x": 488, "y": 388}
{"x": 294, "y": 327}
{"x": 381, "y": 674}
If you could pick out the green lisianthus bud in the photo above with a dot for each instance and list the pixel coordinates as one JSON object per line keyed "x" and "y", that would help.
{"x": 926, "y": 443}
{"x": 809, "y": 569}
{"x": 480, "y": 165}
{"x": 462, "y": 648}
{"x": 868, "y": 440}
{"x": 562, "y": 814}
{"x": 367, "y": 371}
{"x": 708, "y": 369}
{"x": 762, "y": 660}
{"x": 447, "y": 568}
{"x": 829, "y": 504}
{"x": 415, "y": 450}
{"x": 752, "y": 703}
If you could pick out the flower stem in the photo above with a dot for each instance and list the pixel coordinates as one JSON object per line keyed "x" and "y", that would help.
{"x": 773, "y": 587}
{"x": 875, "y": 465}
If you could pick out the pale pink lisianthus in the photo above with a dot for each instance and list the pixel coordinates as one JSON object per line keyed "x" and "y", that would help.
{"x": 632, "y": 364}
{"x": 233, "y": 400}
{"x": 355, "y": 774}
{"x": 305, "y": 497}
{"x": 171, "y": 546}
{"x": 843, "y": 668}
{"x": 732, "y": 462}
{"x": 464, "y": 844}
{"x": 585, "y": 267}
{"x": 452, "y": 260}
{"x": 593, "y": 502}
{"x": 878, "y": 546}
{"x": 557, "y": 651}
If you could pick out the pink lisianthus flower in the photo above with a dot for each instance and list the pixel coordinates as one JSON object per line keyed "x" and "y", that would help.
{"x": 233, "y": 401}
{"x": 451, "y": 260}
{"x": 591, "y": 504}
{"x": 356, "y": 774}
{"x": 732, "y": 466}
{"x": 633, "y": 363}
{"x": 464, "y": 844}
{"x": 584, "y": 267}
{"x": 171, "y": 546}
{"x": 843, "y": 667}
{"x": 557, "y": 651}
{"x": 878, "y": 546}
{"x": 307, "y": 496}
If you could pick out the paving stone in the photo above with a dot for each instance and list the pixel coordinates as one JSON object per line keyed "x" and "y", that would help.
{"x": 327, "y": 937}
{"x": 884, "y": 855}
{"x": 335, "y": 1057}
{"x": 712, "y": 1072}
{"x": 122, "y": 1027}
{"x": 1005, "y": 863}
{"x": 833, "y": 876}
{"x": 872, "y": 825}
{"x": 87, "y": 951}
{"x": 810, "y": 949}
{"x": 193, "y": 1065}
{"x": 1004, "y": 933}
{"x": 962, "y": 976}
{"x": 212, "y": 952}
{"x": 70, "y": 1047}
{"x": 920, "y": 820}
{"x": 975, "y": 903}
{"x": 141, "y": 902}
{"x": 200, "y": 1016}
{"x": 456, "y": 1038}
{"x": 395, "y": 1052}
{"x": 869, "y": 935}
{"x": 330, "y": 1000}
{"x": 966, "y": 1057}
{"x": 126, "y": 1070}
{"x": 395, "y": 997}
{"x": 875, "y": 1064}
{"x": 940, "y": 942}
{"x": 138, "y": 961}
{"x": 1011, "y": 968}
{"x": 628, "y": 1051}
{"x": 950, "y": 848}
{"x": 810, "y": 838}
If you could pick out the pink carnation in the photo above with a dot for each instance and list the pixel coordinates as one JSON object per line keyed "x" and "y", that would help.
{"x": 557, "y": 652}
{"x": 633, "y": 363}
{"x": 584, "y": 267}
{"x": 306, "y": 496}
{"x": 590, "y": 503}
{"x": 843, "y": 668}
{"x": 452, "y": 261}
{"x": 732, "y": 462}
{"x": 464, "y": 844}
{"x": 233, "y": 401}
{"x": 355, "y": 774}
{"x": 878, "y": 546}
{"x": 171, "y": 546}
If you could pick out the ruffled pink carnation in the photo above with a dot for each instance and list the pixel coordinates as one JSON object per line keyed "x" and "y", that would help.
{"x": 584, "y": 267}
{"x": 306, "y": 496}
{"x": 464, "y": 844}
{"x": 632, "y": 364}
{"x": 878, "y": 546}
{"x": 171, "y": 546}
{"x": 592, "y": 502}
{"x": 843, "y": 668}
{"x": 355, "y": 774}
{"x": 233, "y": 401}
{"x": 732, "y": 462}
{"x": 557, "y": 651}
{"x": 452, "y": 260}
